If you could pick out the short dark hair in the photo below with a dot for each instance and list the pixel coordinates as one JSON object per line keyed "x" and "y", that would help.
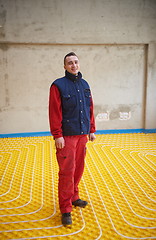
{"x": 68, "y": 55}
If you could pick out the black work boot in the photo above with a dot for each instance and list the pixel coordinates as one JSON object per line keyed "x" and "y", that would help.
{"x": 80, "y": 203}
{"x": 66, "y": 218}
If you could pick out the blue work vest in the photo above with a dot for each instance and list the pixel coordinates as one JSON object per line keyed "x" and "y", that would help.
{"x": 76, "y": 100}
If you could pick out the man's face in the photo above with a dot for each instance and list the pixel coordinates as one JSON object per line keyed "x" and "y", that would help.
{"x": 72, "y": 65}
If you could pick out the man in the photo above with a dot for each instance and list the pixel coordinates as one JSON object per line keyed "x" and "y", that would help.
{"x": 71, "y": 120}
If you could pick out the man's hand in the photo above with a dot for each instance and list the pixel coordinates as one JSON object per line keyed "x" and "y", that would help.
{"x": 92, "y": 137}
{"x": 59, "y": 142}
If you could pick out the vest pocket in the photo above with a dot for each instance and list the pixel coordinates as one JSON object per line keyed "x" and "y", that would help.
{"x": 70, "y": 127}
{"x": 69, "y": 100}
{"x": 87, "y": 94}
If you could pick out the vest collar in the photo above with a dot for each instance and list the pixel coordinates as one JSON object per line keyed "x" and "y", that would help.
{"x": 73, "y": 77}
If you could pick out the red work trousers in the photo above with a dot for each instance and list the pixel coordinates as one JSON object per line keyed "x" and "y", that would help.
{"x": 71, "y": 166}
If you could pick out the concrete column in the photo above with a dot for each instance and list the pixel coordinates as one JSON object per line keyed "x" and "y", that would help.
{"x": 150, "y": 121}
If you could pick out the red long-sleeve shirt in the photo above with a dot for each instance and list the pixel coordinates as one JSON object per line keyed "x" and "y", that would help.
{"x": 55, "y": 113}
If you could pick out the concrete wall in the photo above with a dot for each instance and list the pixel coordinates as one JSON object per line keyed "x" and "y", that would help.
{"x": 115, "y": 41}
